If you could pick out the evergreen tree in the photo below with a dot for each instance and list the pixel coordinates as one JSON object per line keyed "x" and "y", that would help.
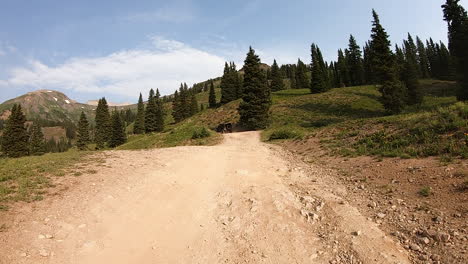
{"x": 139, "y": 125}
{"x": 36, "y": 141}
{"x": 433, "y": 59}
{"x": 103, "y": 131}
{"x": 400, "y": 62}
{"x": 410, "y": 73}
{"x": 159, "y": 117}
{"x": 423, "y": 61}
{"x": 256, "y": 100}
{"x": 15, "y": 136}
{"x": 230, "y": 84}
{"x": 176, "y": 108}
{"x": 83, "y": 132}
{"x": 292, "y": 78}
{"x": 342, "y": 69}
{"x": 151, "y": 113}
{"x": 276, "y": 78}
{"x": 367, "y": 61}
{"x": 212, "y": 96}
{"x": 457, "y": 19}
{"x": 355, "y": 63}
{"x": 319, "y": 82}
{"x": 118, "y": 135}
{"x": 193, "y": 104}
{"x": 302, "y": 79}
{"x": 412, "y": 51}
{"x": 384, "y": 70}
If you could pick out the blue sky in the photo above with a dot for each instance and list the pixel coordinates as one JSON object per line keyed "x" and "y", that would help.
{"x": 88, "y": 49}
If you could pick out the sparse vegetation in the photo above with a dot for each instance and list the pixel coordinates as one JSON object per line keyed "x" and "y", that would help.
{"x": 425, "y": 191}
{"x": 24, "y": 179}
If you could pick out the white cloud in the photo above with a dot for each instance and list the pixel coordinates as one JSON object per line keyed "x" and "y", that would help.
{"x": 124, "y": 73}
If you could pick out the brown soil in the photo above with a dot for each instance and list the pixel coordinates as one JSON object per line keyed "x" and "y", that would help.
{"x": 391, "y": 192}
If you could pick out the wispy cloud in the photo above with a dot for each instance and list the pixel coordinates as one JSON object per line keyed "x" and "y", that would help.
{"x": 124, "y": 73}
{"x": 6, "y": 49}
{"x": 170, "y": 14}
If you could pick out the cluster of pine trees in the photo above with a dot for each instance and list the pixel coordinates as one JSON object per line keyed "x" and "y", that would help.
{"x": 184, "y": 104}
{"x": 231, "y": 84}
{"x": 17, "y": 141}
{"x": 110, "y": 129}
{"x": 150, "y": 119}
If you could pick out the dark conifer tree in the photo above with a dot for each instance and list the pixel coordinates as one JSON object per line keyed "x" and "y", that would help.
{"x": 193, "y": 104}
{"x": 302, "y": 78}
{"x": 103, "y": 130}
{"x": 151, "y": 113}
{"x": 230, "y": 84}
{"x": 15, "y": 136}
{"x": 139, "y": 125}
{"x": 176, "y": 108}
{"x": 83, "y": 132}
{"x": 422, "y": 59}
{"x": 159, "y": 117}
{"x": 433, "y": 59}
{"x": 292, "y": 78}
{"x": 36, "y": 141}
{"x": 212, "y": 96}
{"x": 342, "y": 69}
{"x": 367, "y": 61}
{"x": 118, "y": 135}
{"x": 410, "y": 73}
{"x": 319, "y": 82}
{"x": 355, "y": 63}
{"x": 277, "y": 83}
{"x": 393, "y": 91}
{"x": 256, "y": 100}
{"x": 400, "y": 62}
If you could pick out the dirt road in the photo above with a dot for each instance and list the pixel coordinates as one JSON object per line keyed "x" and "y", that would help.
{"x": 240, "y": 202}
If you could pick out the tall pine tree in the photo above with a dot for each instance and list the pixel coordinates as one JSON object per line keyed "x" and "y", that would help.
{"x": 355, "y": 63}
{"x": 256, "y": 99}
{"x": 302, "y": 78}
{"x": 212, "y": 95}
{"x": 384, "y": 69}
{"x": 15, "y": 136}
{"x": 83, "y": 132}
{"x": 139, "y": 125}
{"x": 159, "y": 123}
{"x": 151, "y": 113}
{"x": 422, "y": 59}
{"x": 411, "y": 73}
{"x": 36, "y": 141}
{"x": 319, "y": 82}
{"x": 118, "y": 135}
{"x": 457, "y": 19}
{"x": 103, "y": 130}
{"x": 276, "y": 78}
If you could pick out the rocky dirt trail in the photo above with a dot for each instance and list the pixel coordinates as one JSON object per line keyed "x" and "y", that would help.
{"x": 239, "y": 202}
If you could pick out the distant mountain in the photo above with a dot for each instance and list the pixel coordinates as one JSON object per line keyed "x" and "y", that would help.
{"x": 47, "y": 105}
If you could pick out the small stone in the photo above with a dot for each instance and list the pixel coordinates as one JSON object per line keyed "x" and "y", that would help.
{"x": 41, "y": 236}
{"x": 49, "y": 236}
{"x": 43, "y": 253}
{"x": 356, "y": 233}
{"x": 23, "y": 254}
{"x": 381, "y": 215}
{"x": 415, "y": 247}
{"x": 82, "y": 226}
{"x": 424, "y": 240}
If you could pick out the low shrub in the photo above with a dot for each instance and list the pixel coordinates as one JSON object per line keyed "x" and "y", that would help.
{"x": 200, "y": 133}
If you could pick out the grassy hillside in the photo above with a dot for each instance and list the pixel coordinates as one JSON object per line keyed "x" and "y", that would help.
{"x": 351, "y": 121}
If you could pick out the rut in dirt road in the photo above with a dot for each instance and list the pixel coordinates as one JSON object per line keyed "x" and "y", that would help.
{"x": 240, "y": 202}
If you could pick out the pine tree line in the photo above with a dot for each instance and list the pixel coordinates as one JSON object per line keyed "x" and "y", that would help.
{"x": 231, "y": 84}
{"x": 184, "y": 104}
{"x": 19, "y": 140}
